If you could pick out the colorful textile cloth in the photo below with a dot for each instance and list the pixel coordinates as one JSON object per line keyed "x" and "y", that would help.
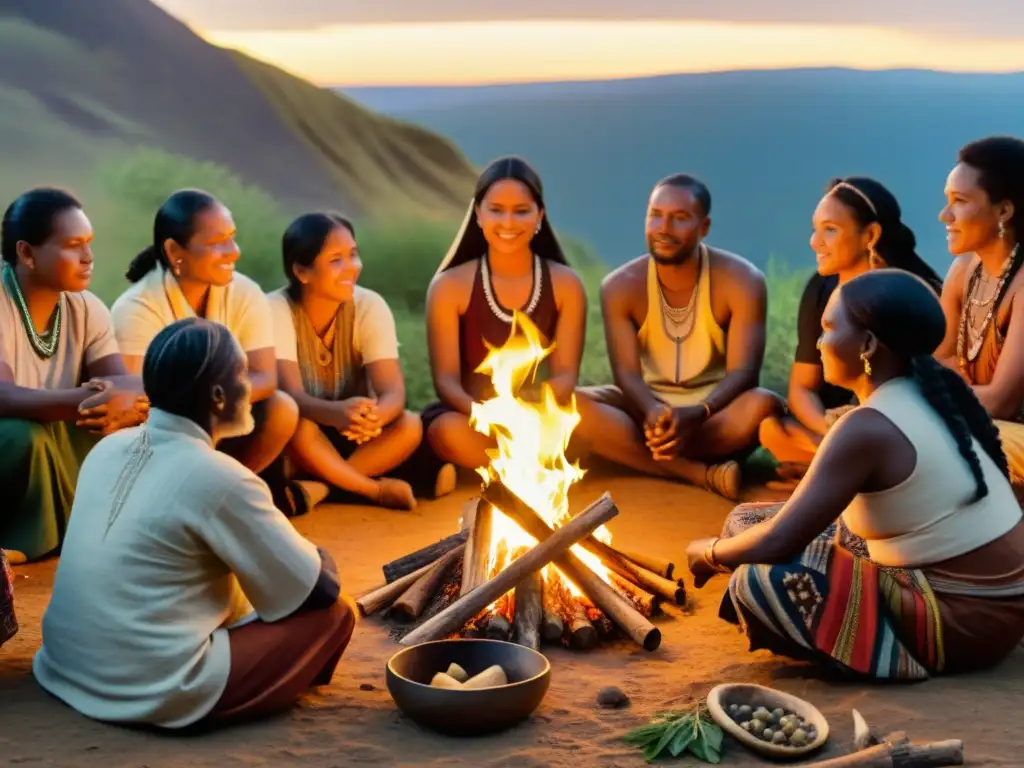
{"x": 834, "y": 605}
{"x": 8, "y": 619}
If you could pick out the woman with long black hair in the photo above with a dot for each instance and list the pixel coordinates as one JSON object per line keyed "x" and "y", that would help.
{"x": 506, "y": 257}
{"x": 858, "y": 227}
{"x": 984, "y": 218}
{"x": 189, "y": 270}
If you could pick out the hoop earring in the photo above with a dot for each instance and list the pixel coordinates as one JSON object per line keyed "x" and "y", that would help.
{"x": 867, "y": 364}
{"x": 1002, "y": 230}
{"x": 873, "y": 261}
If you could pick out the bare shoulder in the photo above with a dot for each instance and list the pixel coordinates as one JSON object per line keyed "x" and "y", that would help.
{"x": 625, "y": 279}
{"x": 864, "y": 429}
{"x": 734, "y": 269}
{"x": 453, "y": 285}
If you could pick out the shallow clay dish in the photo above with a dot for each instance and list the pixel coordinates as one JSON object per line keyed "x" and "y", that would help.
{"x": 721, "y": 696}
{"x": 470, "y": 712}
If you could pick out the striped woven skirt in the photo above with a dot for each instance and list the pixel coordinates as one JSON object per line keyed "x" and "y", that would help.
{"x": 833, "y": 605}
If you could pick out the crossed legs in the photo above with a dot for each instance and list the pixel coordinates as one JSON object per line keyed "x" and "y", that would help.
{"x": 610, "y": 429}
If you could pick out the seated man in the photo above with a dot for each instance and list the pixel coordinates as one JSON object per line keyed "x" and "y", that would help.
{"x": 685, "y": 327}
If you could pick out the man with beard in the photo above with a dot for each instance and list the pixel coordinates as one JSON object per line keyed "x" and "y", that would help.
{"x": 685, "y": 328}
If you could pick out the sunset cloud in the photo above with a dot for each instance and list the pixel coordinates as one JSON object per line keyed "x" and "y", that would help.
{"x": 458, "y": 53}
{"x": 983, "y": 17}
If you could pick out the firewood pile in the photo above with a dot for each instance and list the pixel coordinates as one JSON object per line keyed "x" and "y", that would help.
{"x": 567, "y": 588}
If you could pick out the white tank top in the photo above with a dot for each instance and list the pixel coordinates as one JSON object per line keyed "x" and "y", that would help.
{"x": 929, "y": 517}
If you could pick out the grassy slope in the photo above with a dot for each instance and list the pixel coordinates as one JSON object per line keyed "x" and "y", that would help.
{"x": 385, "y": 165}
{"x": 77, "y": 83}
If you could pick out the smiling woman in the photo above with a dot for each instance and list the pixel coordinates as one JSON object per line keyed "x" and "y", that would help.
{"x": 337, "y": 355}
{"x": 506, "y": 257}
{"x": 857, "y": 227}
{"x": 189, "y": 271}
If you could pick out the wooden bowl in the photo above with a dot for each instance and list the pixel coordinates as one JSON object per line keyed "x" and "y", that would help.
{"x": 469, "y": 712}
{"x": 721, "y": 696}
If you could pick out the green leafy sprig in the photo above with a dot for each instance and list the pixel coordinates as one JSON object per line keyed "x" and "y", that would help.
{"x": 689, "y": 730}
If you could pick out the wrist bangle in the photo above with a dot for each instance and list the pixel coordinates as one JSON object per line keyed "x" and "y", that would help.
{"x": 709, "y": 556}
{"x": 707, "y": 410}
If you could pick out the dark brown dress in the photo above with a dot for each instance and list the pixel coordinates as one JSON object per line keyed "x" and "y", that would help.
{"x": 485, "y": 322}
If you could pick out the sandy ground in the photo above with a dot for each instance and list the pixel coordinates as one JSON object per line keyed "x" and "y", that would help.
{"x": 341, "y": 725}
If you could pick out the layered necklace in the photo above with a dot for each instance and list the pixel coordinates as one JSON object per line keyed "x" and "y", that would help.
{"x": 492, "y": 302}
{"x": 678, "y": 322}
{"x": 44, "y": 344}
{"x": 971, "y": 334}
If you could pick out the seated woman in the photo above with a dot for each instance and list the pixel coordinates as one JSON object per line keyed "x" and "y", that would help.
{"x": 857, "y": 227}
{"x": 182, "y": 595}
{"x": 929, "y": 577}
{"x": 506, "y": 256}
{"x": 337, "y": 356}
{"x": 61, "y": 375}
{"x": 984, "y": 217}
{"x": 189, "y": 271}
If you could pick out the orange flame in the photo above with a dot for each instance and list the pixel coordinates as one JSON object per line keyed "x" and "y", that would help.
{"x": 532, "y": 436}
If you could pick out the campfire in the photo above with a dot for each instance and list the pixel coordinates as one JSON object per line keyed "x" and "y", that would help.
{"x": 523, "y": 568}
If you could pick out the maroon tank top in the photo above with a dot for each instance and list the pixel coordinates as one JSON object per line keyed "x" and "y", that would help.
{"x": 486, "y": 319}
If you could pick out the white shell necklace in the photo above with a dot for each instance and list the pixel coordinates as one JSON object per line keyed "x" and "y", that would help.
{"x": 505, "y": 317}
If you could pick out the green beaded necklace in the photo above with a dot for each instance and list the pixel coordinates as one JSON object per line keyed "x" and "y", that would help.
{"x": 44, "y": 344}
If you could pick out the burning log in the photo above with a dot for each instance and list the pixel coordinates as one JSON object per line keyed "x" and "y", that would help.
{"x": 499, "y": 624}
{"x": 553, "y": 546}
{"x": 502, "y": 498}
{"x": 614, "y": 605}
{"x": 645, "y": 603}
{"x": 498, "y": 628}
{"x": 378, "y": 597}
{"x": 478, "y": 520}
{"x": 552, "y": 624}
{"x": 582, "y": 633}
{"x": 604, "y": 626}
{"x": 412, "y": 602}
{"x": 656, "y": 565}
{"x": 529, "y": 610}
{"x": 406, "y": 564}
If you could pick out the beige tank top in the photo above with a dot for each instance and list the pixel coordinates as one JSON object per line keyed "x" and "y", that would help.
{"x": 929, "y": 517}
{"x": 682, "y": 371}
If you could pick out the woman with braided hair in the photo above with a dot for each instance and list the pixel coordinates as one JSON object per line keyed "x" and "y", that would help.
{"x": 984, "y": 217}
{"x": 858, "y": 227}
{"x": 935, "y": 583}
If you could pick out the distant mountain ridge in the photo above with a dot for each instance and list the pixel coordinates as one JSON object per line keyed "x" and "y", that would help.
{"x": 766, "y": 142}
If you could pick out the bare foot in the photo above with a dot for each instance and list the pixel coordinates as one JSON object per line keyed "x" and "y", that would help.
{"x": 447, "y": 477}
{"x": 725, "y": 479}
{"x": 14, "y": 557}
{"x": 395, "y": 494}
{"x": 314, "y": 491}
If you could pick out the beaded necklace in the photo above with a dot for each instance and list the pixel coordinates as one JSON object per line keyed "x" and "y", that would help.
{"x": 492, "y": 302}
{"x": 968, "y": 330}
{"x": 44, "y": 344}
